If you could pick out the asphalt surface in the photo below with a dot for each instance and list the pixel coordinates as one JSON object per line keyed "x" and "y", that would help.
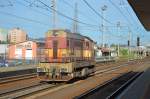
{"x": 139, "y": 89}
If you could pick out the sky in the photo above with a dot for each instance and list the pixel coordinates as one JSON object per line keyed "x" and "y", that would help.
{"x": 36, "y": 18}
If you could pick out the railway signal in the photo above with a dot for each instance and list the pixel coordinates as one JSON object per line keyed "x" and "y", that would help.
{"x": 138, "y": 41}
{"x": 128, "y": 43}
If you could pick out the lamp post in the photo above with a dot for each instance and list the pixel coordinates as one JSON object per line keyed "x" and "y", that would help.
{"x": 118, "y": 26}
{"x": 103, "y": 8}
{"x": 129, "y": 41}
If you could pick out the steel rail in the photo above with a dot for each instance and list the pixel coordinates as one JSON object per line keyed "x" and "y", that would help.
{"x": 17, "y": 78}
{"x": 25, "y": 91}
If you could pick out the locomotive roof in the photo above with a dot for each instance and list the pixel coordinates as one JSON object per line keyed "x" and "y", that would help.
{"x": 89, "y": 39}
{"x": 69, "y": 32}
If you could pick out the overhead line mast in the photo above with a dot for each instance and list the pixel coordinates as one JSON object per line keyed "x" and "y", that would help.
{"x": 65, "y": 16}
{"x": 75, "y": 23}
{"x": 103, "y": 26}
{"x": 53, "y": 6}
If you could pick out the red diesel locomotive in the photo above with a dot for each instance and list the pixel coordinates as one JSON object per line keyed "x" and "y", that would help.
{"x": 66, "y": 56}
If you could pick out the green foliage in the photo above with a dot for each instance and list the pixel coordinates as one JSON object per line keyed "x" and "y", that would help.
{"x": 124, "y": 52}
{"x": 113, "y": 45}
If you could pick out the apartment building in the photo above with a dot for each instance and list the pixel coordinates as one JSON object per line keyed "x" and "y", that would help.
{"x": 17, "y": 35}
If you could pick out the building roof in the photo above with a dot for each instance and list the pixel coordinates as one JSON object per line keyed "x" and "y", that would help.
{"x": 142, "y": 10}
{"x": 103, "y": 49}
{"x": 28, "y": 41}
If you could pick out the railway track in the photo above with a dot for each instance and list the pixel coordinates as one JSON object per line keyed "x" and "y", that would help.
{"x": 24, "y": 91}
{"x": 17, "y": 78}
{"x": 99, "y": 71}
{"x": 111, "y": 88}
{"x": 28, "y": 76}
{"x": 102, "y": 72}
{"x": 21, "y": 92}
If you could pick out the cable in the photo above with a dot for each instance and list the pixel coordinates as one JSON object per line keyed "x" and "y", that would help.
{"x": 123, "y": 16}
{"x": 96, "y": 12}
{"x": 33, "y": 3}
{"x": 65, "y": 16}
{"x": 31, "y": 8}
{"x": 60, "y": 13}
{"x": 117, "y": 36}
{"x": 121, "y": 13}
{"x": 80, "y": 12}
{"x": 118, "y": 10}
{"x": 127, "y": 10}
{"x": 38, "y": 11}
{"x": 23, "y": 18}
{"x": 130, "y": 14}
{"x": 9, "y": 4}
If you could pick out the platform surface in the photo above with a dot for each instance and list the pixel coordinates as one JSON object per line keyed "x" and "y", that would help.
{"x": 139, "y": 89}
{"x": 16, "y": 68}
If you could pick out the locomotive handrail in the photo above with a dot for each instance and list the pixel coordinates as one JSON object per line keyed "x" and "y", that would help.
{"x": 66, "y": 59}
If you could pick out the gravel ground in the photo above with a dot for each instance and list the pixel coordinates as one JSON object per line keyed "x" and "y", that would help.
{"x": 18, "y": 84}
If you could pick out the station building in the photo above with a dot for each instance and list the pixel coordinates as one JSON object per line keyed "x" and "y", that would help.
{"x": 27, "y": 50}
{"x": 3, "y": 51}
